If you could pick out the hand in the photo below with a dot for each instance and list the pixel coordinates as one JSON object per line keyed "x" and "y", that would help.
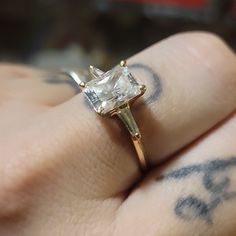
{"x": 67, "y": 171}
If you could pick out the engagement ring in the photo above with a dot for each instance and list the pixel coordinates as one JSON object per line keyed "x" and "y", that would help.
{"x": 111, "y": 93}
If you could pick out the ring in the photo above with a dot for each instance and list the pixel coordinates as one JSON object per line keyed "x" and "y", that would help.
{"x": 111, "y": 93}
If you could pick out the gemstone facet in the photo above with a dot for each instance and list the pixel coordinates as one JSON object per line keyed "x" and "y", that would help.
{"x": 110, "y": 90}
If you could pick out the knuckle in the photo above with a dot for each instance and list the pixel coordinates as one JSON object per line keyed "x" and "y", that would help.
{"x": 207, "y": 44}
{"x": 202, "y": 38}
{"x": 213, "y": 55}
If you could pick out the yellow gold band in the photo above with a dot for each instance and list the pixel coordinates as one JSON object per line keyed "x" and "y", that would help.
{"x": 126, "y": 116}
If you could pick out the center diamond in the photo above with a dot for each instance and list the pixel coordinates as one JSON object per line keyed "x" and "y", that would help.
{"x": 112, "y": 89}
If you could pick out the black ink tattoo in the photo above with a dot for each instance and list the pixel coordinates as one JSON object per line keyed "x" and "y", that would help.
{"x": 70, "y": 82}
{"x": 155, "y": 80}
{"x": 192, "y": 207}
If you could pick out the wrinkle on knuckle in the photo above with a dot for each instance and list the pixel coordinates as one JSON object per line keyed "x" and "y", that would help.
{"x": 210, "y": 49}
{"x": 215, "y": 60}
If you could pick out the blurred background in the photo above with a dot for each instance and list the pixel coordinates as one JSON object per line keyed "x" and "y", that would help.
{"x": 56, "y": 33}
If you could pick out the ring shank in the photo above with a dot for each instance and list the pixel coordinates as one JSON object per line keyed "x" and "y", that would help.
{"x": 126, "y": 116}
{"x": 140, "y": 152}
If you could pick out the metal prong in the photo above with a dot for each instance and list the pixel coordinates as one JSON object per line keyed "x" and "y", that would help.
{"x": 123, "y": 63}
{"x": 136, "y": 136}
{"x": 143, "y": 88}
{"x": 91, "y": 69}
{"x": 82, "y": 84}
{"x": 73, "y": 75}
{"x": 95, "y": 72}
{"x": 100, "y": 111}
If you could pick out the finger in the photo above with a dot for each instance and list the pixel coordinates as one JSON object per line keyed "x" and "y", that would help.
{"x": 195, "y": 95}
{"x": 22, "y": 83}
{"x": 193, "y": 195}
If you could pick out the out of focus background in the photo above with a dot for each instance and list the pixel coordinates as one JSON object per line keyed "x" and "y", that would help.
{"x": 56, "y": 33}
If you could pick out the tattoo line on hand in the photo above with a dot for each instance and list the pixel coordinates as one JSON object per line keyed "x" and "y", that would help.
{"x": 192, "y": 207}
{"x": 70, "y": 82}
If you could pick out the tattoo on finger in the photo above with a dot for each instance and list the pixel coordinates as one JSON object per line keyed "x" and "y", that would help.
{"x": 215, "y": 181}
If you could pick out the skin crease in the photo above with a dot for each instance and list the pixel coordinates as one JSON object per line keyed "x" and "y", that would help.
{"x": 67, "y": 171}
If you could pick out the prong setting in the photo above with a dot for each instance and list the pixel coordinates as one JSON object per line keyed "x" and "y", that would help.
{"x": 123, "y": 63}
{"x": 143, "y": 88}
{"x": 109, "y": 91}
{"x": 82, "y": 84}
{"x": 91, "y": 69}
{"x": 136, "y": 136}
{"x": 76, "y": 77}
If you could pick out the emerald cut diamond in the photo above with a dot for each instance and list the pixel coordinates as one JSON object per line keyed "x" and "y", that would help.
{"x": 110, "y": 90}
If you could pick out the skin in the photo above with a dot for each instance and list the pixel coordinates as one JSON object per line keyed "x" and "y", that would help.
{"x": 67, "y": 171}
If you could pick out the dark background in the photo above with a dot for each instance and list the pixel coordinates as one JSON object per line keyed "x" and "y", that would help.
{"x": 55, "y": 33}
